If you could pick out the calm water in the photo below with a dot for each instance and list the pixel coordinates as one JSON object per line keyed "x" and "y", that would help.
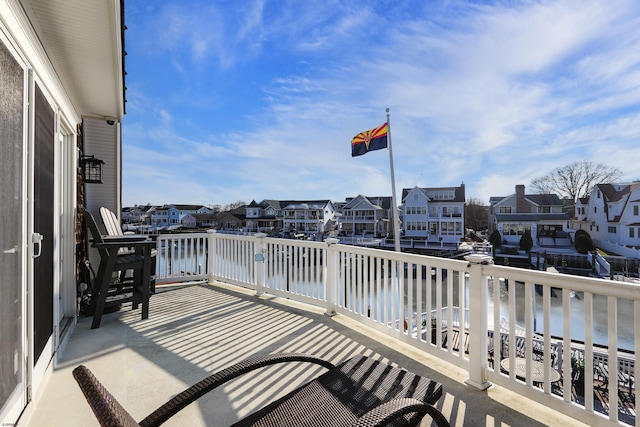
{"x": 357, "y": 303}
{"x": 600, "y": 315}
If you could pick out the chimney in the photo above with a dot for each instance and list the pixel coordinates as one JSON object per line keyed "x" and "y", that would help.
{"x": 521, "y": 205}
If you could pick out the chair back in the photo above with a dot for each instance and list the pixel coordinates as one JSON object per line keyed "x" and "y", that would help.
{"x": 92, "y": 225}
{"x": 105, "y": 407}
{"x": 111, "y": 223}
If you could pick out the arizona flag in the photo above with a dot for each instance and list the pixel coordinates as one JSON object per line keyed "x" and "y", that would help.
{"x": 374, "y": 139}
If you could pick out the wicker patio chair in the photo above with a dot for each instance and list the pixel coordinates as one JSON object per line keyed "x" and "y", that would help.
{"x": 360, "y": 392}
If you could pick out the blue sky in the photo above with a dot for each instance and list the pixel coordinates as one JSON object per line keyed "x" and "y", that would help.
{"x": 234, "y": 100}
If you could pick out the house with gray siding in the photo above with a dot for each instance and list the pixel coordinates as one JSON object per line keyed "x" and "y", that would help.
{"x": 265, "y": 217}
{"x": 541, "y": 214}
{"x": 364, "y": 216}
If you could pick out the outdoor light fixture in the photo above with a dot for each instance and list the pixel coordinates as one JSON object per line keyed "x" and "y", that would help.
{"x": 92, "y": 168}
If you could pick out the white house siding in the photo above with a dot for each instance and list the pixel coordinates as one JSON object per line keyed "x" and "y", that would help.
{"x": 611, "y": 215}
{"x": 416, "y": 214}
{"x": 308, "y": 217}
{"x": 631, "y": 221}
{"x": 434, "y": 214}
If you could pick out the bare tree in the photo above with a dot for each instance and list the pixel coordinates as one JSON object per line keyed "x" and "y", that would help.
{"x": 475, "y": 215}
{"x": 234, "y": 205}
{"x": 575, "y": 180}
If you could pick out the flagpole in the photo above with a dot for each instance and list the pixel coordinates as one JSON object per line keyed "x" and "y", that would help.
{"x": 394, "y": 205}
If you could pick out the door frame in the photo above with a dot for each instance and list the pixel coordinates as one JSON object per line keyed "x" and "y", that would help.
{"x": 65, "y": 304}
{"x": 64, "y": 199}
{"x": 36, "y": 369}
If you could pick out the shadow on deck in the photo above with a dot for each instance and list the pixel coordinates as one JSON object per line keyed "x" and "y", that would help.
{"x": 196, "y": 330}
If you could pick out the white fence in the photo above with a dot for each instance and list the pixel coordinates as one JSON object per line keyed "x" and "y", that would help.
{"x": 448, "y": 308}
{"x": 617, "y": 248}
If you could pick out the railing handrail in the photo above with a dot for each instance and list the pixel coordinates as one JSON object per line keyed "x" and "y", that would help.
{"x": 617, "y": 289}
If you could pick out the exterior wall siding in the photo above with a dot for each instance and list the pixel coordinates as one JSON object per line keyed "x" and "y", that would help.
{"x": 101, "y": 141}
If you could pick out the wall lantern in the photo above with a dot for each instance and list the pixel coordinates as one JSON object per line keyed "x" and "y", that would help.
{"x": 92, "y": 168}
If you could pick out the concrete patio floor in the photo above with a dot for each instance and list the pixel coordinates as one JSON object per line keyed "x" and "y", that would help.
{"x": 196, "y": 330}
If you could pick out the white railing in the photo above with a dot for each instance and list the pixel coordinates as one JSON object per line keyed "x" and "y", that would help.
{"x": 181, "y": 257}
{"x": 548, "y": 319}
{"x": 602, "y": 266}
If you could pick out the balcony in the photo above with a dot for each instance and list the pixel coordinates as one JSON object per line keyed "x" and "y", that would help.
{"x": 278, "y": 301}
{"x": 196, "y": 330}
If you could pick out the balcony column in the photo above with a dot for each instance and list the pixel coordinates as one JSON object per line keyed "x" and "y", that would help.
{"x": 330, "y": 275}
{"x": 211, "y": 253}
{"x": 259, "y": 264}
{"x": 478, "y": 308}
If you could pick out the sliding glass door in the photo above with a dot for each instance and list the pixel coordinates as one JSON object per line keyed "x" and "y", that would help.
{"x": 12, "y": 235}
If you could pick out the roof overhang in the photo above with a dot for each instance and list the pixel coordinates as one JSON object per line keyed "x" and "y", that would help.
{"x": 84, "y": 40}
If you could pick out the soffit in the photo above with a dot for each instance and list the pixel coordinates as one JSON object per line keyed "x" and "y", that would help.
{"x": 83, "y": 41}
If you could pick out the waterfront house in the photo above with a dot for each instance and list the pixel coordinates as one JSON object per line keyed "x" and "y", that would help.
{"x": 307, "y": 217}
{"x": 172, "y": 215}
{"x": 62, "y": 98}
{"x": 159, "y": 217}
{"x": 138, "y": 214}
{"x": 199, "y": 220}
{"x": 434, "y": 214}
{"x": 264, "y": 217}
{"x": 366, "y": 216}
{"x": 290, "y": 216}
{"x": 541, "y": 214}
{"x": 233, "y": 220}
{"x": 611, "y": 216}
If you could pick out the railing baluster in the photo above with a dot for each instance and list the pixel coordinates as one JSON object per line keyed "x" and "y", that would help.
{"x": 612, "y": 317}
{"x": 588, "y": 348}
{"x": 379, "y": 298}
{"x": 566, "y": 341}
{"x": 546, "y": 319}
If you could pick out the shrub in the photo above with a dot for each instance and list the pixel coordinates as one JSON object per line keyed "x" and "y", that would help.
{"x": 583, "y": 244}
{"x": 495, "y": 239}
{"x": 526, "y": 241}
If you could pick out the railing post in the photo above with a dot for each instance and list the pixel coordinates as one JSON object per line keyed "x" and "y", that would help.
{"x": 330, "y": 276}
{"x": 259, "y": 263}
{"x": 478, "y": 309}
{"x": 211, "y": 253}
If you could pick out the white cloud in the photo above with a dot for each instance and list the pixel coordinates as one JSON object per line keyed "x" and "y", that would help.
{"x": 493, "y": 95}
